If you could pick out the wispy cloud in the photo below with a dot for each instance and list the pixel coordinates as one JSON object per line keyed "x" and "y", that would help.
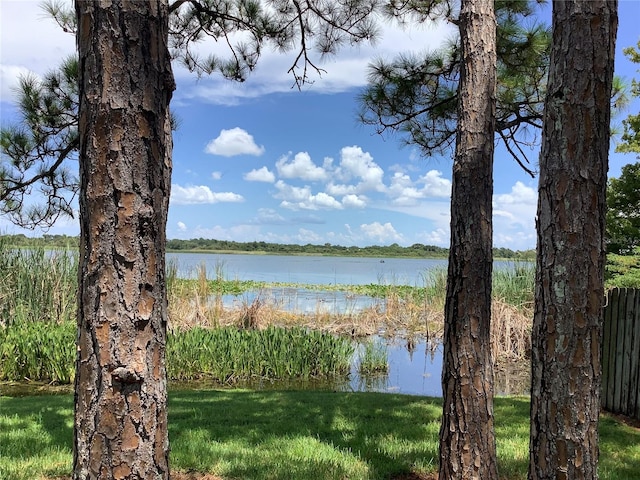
{"x": 201, "y": 194}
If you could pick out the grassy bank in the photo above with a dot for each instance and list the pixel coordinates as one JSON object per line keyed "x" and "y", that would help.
{"x": 293, "y": 435}
{"x": 28, "y": 351}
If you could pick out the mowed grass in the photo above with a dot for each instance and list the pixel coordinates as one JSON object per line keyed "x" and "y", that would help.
{"x": 292, "y": 435}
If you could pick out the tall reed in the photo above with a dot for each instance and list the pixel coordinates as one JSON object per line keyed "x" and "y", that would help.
{"x": 32, "y": 351}
{"x": 228, "y": 354}
{"x": 373, "y": 358}
{"x": 514, "y": 285}
{"x": 37, "y": 284}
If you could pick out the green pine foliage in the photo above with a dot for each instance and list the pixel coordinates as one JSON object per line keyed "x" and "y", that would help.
{"x": 623, "y": 211}
{"x": 416, "y": 93}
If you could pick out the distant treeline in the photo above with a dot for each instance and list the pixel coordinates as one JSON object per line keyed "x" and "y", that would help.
{"x": 417, "y": 250}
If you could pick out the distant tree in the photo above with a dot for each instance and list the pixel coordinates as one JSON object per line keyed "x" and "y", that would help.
{"x": 623, "y": 211}
{"x": 467, "y": 436}
{"x": 569, "y": 296}
{"x": 631, "y": 136}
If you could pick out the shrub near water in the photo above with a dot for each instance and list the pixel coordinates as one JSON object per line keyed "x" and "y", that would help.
{"x": 228, "y": 354}
{"x": 37, "y": 351}
{"x": 37, "y": 285}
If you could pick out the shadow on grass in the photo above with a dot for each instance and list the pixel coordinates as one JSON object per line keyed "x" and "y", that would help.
{"x": 35, "y": 425}
{"x": 299, "y": 435}
{"x": 294, "y": 435}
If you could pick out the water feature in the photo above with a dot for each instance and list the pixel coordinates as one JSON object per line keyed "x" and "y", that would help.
{"x": 308, "y": 270}
{"x": 415, "y": 367}
{"x": 304, "y": 301}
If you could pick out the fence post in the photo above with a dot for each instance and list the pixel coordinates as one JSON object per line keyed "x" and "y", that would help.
{"x": 621, "y": 352}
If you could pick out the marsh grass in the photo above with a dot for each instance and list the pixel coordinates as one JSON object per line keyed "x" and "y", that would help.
{"x": 30, "y": 352}
{"x": 297, "y": 435}
{"x": 372, "y": 358}
{"x": 37, "y": 285}
{"x": 230, "y": 354}
{"x": 35, "y": 351}
{"x": 40, "y": 286}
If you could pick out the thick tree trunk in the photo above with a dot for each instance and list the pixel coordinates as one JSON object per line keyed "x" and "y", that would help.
{"x": 467, "y": 439}
{"x": 565, "y": 391}
{"x": 125, "y": 166}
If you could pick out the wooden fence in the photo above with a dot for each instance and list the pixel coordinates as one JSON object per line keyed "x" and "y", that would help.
{"x": 621, "y": 352}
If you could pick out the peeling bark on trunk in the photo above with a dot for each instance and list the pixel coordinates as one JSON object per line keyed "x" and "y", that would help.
{"x": 467, "y": 438}
{"x": 565, "y": 391}
{"x": 126, "y": 84}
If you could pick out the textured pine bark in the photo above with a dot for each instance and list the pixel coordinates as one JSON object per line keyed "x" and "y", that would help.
{"x": 126, "y": 84}
{"x": 565, "y": 392}
{"x": 467, "y": 438}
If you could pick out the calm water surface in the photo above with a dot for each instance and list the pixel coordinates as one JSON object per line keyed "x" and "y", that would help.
{"x": 314, "y": 270}
{"x": 308, "y": 269}
{"x": 413, "y": 371}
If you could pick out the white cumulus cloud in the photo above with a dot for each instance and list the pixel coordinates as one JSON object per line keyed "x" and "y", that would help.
{"x": 435, "y": 185}
{"x": 235, "y": 141}
{"x": 354, "y": 201}
{"x": 182, "y": 226}
{"x": 201, "y": 194}
{"x": 520, "y": 194}
{"x": 356, "y": 163}
{"x": 289, "y": 192}
{"x": 382, "y": 233}
{"x": 260, "y": 175}
{"x": 10, "y": 80}
{"x": 301, "y": 166}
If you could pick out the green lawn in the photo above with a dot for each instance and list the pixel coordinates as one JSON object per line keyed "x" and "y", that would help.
{"x": 292, "y": 435}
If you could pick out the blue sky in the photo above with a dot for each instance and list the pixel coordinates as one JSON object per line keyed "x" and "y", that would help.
{"x": 263, "y": 161}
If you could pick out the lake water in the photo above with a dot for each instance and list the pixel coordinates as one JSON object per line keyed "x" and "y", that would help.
{"x": 314, "y": 270}
{"x": 415, "y": 370}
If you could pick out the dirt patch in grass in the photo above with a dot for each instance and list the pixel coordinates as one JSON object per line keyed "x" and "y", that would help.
{"x": 193, "y": 476}
{"x": 415, "y": 476}
{"x": 629, "y": 421}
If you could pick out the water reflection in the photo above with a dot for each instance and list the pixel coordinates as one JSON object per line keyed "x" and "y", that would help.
{"x": 414, "y": 369}
{"x": 304, "y": 301}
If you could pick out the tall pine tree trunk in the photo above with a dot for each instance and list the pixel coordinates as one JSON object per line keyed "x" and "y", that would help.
{"x": 126, "y": 84}
{"x": 565, "y": 392}
{"x": 467, "y": 439}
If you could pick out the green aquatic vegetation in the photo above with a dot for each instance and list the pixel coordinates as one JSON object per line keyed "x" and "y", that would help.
{"x": 30, "y": 351}
{"x": 229, "y": 354}
{"x": 37, "y": 285}
{"x": 373, "y": 358}
{"x": 37, "y": 351}
{"x": 515, "y": 285}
